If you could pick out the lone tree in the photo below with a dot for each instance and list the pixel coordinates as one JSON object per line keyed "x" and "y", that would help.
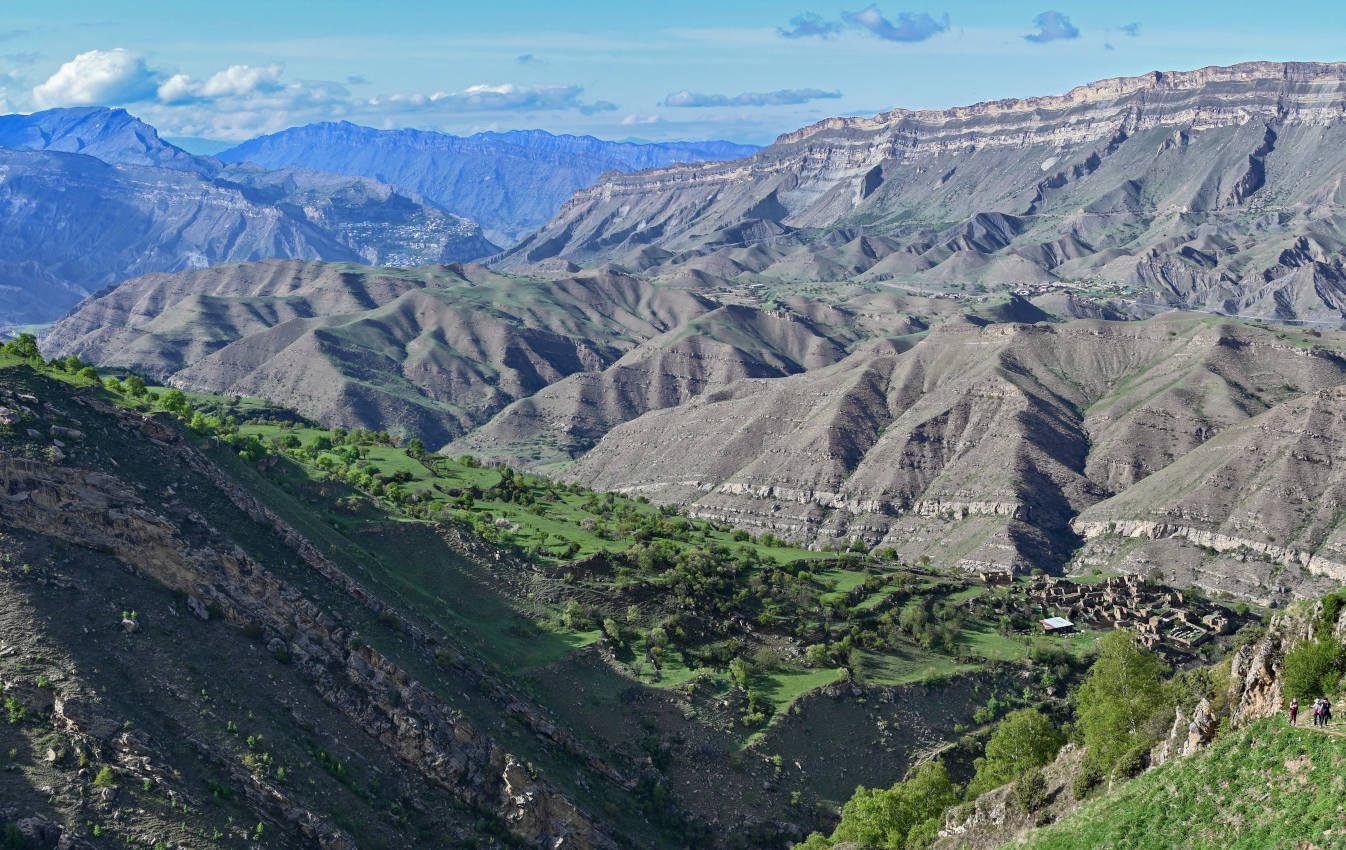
{"x": 1313, "y": 668}
{"x": 1025, "y": 739}
{"x": 1123, "y": 690}
{"x": 24, "y": 345}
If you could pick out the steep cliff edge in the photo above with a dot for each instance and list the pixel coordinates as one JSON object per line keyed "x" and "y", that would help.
{"x": 1216, "y": 189}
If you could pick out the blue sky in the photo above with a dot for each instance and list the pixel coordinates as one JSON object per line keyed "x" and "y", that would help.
{"x": 745, "y": 71}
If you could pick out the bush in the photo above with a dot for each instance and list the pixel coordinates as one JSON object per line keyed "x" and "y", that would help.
{"x": 908, "y": 814}
{"x": 1132, "y": 762}
{"x": 1030, "y": 790}
{"x": 105, "y": 778}
{"x": 1087, "y": 779}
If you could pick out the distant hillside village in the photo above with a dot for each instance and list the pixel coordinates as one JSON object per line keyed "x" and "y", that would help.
{"x": 1168, "y": 621}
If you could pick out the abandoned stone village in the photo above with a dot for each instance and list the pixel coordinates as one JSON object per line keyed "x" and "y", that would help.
{"x": 1170, "y": 622}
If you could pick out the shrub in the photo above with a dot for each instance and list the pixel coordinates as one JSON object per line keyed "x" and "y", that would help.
{"x": 1087, "y": 779}
{"x": 908, "y": 814}
{"x": 1030, "y": 790}
{"x": 105, "y": 778}
{"x": 1132, "y": 762}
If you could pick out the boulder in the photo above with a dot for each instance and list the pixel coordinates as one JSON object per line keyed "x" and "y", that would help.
{"x": 198, "y": 608}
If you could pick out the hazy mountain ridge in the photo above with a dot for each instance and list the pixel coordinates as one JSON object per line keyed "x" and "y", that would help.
{"x": 91, "y": 197}
{"x": 1216, "y": 189}
{"x": 510, "y": 182}
{"x": 112, "y": 135}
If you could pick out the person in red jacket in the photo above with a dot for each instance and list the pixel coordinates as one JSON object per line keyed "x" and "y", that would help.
{"x": 1294, "y": 710}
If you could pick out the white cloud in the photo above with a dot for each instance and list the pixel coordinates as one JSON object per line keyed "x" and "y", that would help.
{"x": 98, "y": 77}
{"x": 632, "y": 120}
{"x": 178, "y": 88}
{"x": 241, "y": 80}
{"x": 236, "y": 81}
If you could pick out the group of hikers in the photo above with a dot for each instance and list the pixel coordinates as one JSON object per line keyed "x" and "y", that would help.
{"x": 1322, "y": 711}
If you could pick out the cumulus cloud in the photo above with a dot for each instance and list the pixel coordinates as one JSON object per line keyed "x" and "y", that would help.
{"x": 236, "y": 81}
{"x": 910, "y": 26}
{"x": 633, "y": 120}
{"x": 1132, "y": 29}
{"x": 783, "y": 97}
{"x": 1052, "y": 26}
{"x": 810, "y": 24}
{"x": 98, "y": 77}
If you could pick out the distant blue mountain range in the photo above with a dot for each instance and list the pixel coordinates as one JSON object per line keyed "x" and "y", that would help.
{"x": 509, "y": 183}
{"x": 112, "y": 135}
{"x": 91, "y": 197}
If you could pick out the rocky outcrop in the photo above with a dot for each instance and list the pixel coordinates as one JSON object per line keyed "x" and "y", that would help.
{"x": 1288, "y": 556}
{"x": 1187, "y": 735}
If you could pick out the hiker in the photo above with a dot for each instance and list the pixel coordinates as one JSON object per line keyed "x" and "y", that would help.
{"x": 1317, "y": 712}
{"x": 1327, "y": 711}
{"x": 1294, "y": 710}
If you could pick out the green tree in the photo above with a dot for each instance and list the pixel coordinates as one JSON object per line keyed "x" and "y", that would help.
{"x": 1312, "y": 668}
{"x": 135, "y": 385}
{"x": 740, "y": 671}
{"x": 1122, "y": 691}
{"x": 1025, "y": 739}
{"x": 23, "y": 345}
{"x": 885, "y": 819}
{"x": 174, "y": 402}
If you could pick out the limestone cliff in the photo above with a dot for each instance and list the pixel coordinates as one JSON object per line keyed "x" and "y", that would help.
{"x": 1210, "y": 188}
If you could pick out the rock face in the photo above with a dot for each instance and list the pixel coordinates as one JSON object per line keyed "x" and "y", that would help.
{"x": 93, "y": 197}
{"x": 511, "y": 183}
{"x": 1256, "y": 676}
{"x": 1216, "y": 189}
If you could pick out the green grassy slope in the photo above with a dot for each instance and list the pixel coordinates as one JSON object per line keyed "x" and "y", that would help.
{"x": 1265, "y": 786}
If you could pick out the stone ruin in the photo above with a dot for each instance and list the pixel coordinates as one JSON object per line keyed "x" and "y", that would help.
{"x": 1164, "y": 619}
